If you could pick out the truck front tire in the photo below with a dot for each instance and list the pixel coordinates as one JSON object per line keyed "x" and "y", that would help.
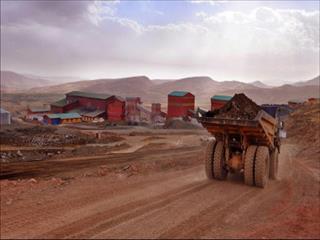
{"x": 209, "y": 158}
{"x": 274, "y": 164}
{"x": 261, "y": 172}
{"x": 219, "y": 170}
{"x": 249, "y": 165}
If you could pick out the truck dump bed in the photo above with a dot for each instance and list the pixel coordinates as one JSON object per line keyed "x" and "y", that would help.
{"x": 260, "y": 130}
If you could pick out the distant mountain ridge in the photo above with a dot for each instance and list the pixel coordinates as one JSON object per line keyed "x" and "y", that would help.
{"x": 202, "y": 87}
{"x": 260, "y": 84}
{"x": 14, "y": 82}
{"x": 313, "y": 82}
{"x": 55, "y": 79}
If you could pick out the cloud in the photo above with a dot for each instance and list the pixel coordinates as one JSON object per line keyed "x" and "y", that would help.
{"x": 276, "y": 30}
{"x": 91, "y": 39}
{"x": 44, "y": 12}
{"x": 59, "y": 13}
{"x": 210, "y": 2}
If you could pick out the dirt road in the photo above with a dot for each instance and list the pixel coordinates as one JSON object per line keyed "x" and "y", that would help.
{"x": 175, "y": 203}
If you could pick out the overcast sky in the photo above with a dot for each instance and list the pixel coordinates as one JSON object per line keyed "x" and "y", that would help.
{"x": 227, "y": 40}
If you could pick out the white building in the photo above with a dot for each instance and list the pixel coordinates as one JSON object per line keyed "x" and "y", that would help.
{"x": 5, "y": 117}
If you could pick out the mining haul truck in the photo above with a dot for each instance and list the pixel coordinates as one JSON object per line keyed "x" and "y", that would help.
{"x": 249, "y": 147}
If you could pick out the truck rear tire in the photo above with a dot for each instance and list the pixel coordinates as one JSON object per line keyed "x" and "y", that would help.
{"x": 219, "y": 170}
{"x": 274, "y": 164}
{"x": 261, "y": 171}
{"x": 249, "y": 165}
{"x": 209, "y": 158}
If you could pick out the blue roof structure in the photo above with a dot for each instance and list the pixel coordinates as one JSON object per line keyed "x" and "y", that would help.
{"x": 64, "y": 115}
{"x": 178, "y": 93}
{"x": 221, "y": 97}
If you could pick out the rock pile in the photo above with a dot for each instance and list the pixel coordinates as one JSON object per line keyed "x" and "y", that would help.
{"x": 43, "y": 139}
{"x": 239, "y": 107}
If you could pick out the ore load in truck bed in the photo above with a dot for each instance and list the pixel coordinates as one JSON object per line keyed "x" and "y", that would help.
{"x": 239, "y": 107}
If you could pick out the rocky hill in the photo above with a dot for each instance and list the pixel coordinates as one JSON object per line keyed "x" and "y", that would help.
{"x": 313, "y": 82}
{"x": 202, "y": 87}
{"x": 303, "y": 128}
{"x": 14, "y": 82}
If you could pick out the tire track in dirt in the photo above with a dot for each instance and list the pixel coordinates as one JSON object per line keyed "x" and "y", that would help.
{"x": 49, "y": 168}
{"x": 158, "y": 221}
{"x": 275, "y": 205}
{"x": 121, "y": 213}
{"x": 301, "y": 186}
{"x": 248, "y": 213}
{"x": 275, "y": 200}
{"x": 244, "y": 207}
{"x": 169, "y": 205}
{"x": 196, "y": 224}
{"x": 95, "y": 196}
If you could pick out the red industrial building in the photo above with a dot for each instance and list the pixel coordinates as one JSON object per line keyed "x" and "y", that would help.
{"x": 179, "y": 103}
{"x": 85, "y": 102}
{"x": 218, "y": 101}
{"x": 115, "y": 109}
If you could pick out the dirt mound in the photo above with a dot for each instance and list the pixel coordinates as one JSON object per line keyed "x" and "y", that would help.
{"x": 180, "y": 124}
{"x": 239, "y": 107}
{"x": 303, "y": 125}
{"x": 303, "y": 129}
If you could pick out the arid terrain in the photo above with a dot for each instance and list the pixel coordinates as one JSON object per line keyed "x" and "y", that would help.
{"x": 203, "y": 87}
{"x": 195, "y": 119}
{"x": 150, "y": 183}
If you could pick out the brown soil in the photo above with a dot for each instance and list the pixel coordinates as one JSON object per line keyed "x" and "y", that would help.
{"x": 158, "y": 191}
{"x": 303, "y": 129}
{"x": 303, "y": 125}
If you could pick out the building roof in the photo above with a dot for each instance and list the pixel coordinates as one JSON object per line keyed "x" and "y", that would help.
{"x": 3, "y": 111}
{"x": 221, "y": 97}
{"x": 61, "y": 103}
{"x": 40, "y": 109}
{"x": 100, "y": 96}
{"x": 64, "y": 115}
{"x": 178, "y": 93}
{"x": 114, "y": 97}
